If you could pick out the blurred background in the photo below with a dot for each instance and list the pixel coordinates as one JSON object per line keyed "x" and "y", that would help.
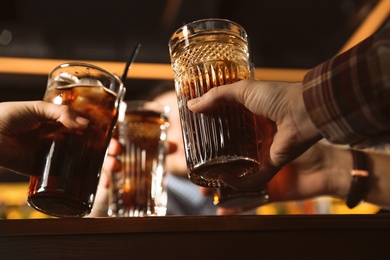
{"x": 282, "y": 33}
{"x": 290, "y": 36}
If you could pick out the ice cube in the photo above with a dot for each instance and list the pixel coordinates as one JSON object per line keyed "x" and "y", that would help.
{"x": 89, "y": 82}
{"x": 66, "y": 78}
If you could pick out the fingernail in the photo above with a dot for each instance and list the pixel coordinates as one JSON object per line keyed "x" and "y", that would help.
{"x": 81, "y": 120}
{"x": 193, "y": 102}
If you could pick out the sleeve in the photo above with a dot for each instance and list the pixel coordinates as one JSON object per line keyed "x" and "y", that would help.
{"x": 348, "y": 96}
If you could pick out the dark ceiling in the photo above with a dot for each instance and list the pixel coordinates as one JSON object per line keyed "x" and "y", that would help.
{"x": 283, "y": 33}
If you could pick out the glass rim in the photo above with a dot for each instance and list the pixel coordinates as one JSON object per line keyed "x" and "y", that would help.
{"x": 84, "y": 64}
{"x": 151, "y": 105}
{"x": 208, "y": 25}
{"x": 120, "y": 88}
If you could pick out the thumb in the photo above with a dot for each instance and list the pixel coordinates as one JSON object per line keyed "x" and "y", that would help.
{"x": 46, "y": 111}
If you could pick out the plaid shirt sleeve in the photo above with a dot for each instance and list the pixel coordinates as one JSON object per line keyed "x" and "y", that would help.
{"x": 348, "y": 96}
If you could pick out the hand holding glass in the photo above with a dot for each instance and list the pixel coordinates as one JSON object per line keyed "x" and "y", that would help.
{"x": 67, "y": 164}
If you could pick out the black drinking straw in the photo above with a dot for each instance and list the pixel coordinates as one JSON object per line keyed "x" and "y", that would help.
{"x": 130, "y": 61}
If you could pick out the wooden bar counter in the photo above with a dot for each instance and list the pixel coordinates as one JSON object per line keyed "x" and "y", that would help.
{"x": 203, "y": 237}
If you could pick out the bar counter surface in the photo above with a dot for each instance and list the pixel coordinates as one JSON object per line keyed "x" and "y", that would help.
{"x": 203, "y": 237}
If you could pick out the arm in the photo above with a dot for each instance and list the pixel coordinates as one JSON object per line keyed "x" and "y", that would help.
{"x": 325, "y": 170}
{"x": 347, "y": 96}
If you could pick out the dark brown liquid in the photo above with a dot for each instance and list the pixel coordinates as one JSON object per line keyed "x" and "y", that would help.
{"x": 135, "y": 185}
{"x": 223, "y": 141}
{"x": 229, "y": 197}
{"x": 67, "y": 163}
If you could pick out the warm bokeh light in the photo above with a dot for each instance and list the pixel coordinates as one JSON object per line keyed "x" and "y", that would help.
{"x": 374, "y": 20}
{"x": 34, "y": 66}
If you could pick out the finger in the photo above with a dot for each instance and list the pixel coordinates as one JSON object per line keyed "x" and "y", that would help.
{"x": 206, "y": 191}
{"x": 172, "y": 147}
{"x": 114, "y": 148}
{"x": 228, "y": 211}
{"x": 104, "y": 180}
{"x": 64, "y": 114}
{"x": 111, "y": 163}
{"x": 217, "y": 96}
{"x": 234, "y": 211}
